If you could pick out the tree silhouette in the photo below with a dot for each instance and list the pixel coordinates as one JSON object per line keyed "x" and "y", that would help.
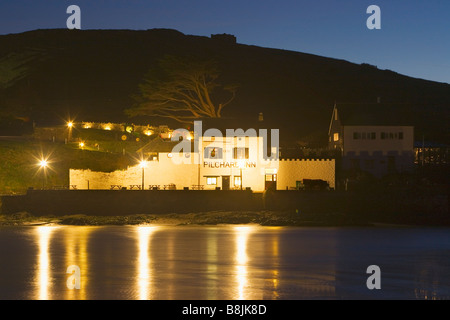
{"x": 13, "y": 68}
{"x": 182, "y": 89}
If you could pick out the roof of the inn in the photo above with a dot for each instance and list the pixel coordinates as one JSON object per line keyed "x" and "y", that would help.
{"x": 375, "y": 114}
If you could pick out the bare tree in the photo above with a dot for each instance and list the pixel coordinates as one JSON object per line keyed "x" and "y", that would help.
{"x": 182, "y": 89}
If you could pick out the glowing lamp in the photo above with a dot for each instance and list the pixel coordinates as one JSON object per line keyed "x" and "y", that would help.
{"x": 43, "y": 163}
{"x": 143, "y": 164}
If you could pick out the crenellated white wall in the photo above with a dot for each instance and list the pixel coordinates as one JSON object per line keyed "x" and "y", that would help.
{"x": 165, "y": 172}
{"x": 291, "y": 171}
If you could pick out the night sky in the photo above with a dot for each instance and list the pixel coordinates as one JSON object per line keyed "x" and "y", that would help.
{"x": 414, "y": 38}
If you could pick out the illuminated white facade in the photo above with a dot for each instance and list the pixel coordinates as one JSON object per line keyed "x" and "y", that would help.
{"x": 226, "y": 163}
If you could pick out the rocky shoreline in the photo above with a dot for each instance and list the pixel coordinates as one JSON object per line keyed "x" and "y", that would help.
{"x": 263, "y": 218}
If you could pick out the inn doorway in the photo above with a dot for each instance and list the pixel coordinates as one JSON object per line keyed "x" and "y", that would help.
{"x": 271, "y": 181}
{"x": 225, "y": 182}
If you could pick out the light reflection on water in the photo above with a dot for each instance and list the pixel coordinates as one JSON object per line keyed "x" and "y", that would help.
{"x": 242, "y": 234}
{"x": 223, "y": 262}
{"x": 145, "y": 273}
{"x": 43, "y": 267}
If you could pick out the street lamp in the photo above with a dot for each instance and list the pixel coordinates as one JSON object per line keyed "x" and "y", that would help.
{"x": 69, "y": 126}
{"x": 43, "y": 164}
{"x": 143, "y": 165}
{"x": 241, "y": 165}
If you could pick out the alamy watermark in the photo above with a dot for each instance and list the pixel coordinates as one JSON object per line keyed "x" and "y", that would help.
{"x": 374, "y": 21}
{"x": 231, "y": 148}
{"x": 74, "y": 20}
{"x": 374, "y": 281}
{"x": 74, "y": 280}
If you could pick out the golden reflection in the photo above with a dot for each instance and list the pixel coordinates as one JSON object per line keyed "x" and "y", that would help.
{"x": 144, "y": 277}
{"x": 242, "y": 234}
{"x": 44, "y": 234}
{"x": 275, "y": 272}
{"x": 211, "y": 267}
{"x": 76, "y": 242}
{"x": 170, "y": 287}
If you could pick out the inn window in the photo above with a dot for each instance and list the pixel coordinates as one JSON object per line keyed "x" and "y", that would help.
{"x": 211, "y": 181}
{"x": 213, "y": 153}
{"x": 240, "y": 153}
{"x": 237, "y": 180}
{"x": 392, "y": 135}
{"x": 364, "y": 135}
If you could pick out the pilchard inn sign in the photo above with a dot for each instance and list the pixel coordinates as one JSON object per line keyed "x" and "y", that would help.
{"x": 246, "y": 164}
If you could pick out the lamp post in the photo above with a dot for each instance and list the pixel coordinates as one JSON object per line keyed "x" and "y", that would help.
{"x": 241, "y": 165}
{"x": 143, "y": 165}
{"x": 69, "y": 126}
{"x": 43, "y": 164}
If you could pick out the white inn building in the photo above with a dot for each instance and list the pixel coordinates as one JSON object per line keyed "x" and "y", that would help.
{"x": 224, "y": 159}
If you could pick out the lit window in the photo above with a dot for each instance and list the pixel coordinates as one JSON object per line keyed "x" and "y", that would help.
{"x": 336, "y": 137}
{"x": 237, "y": 180}
{"x": 211, "y": 181}
{"x": 213, "y": 153}
{"x": 240, "y": 153}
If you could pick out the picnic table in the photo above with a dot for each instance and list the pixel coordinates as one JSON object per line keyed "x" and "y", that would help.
{"x": 135, "y": 186}
{"x": 197, "y": 187}
{"x": 154, "y": 187}
{"x": 72, "y": 186}
{"x": 118, "y": 186}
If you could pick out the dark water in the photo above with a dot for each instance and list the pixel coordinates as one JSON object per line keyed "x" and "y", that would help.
{"x": 223, "y": 262}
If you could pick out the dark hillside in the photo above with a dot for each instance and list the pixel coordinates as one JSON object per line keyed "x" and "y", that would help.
{"x": 93, "y": 74}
